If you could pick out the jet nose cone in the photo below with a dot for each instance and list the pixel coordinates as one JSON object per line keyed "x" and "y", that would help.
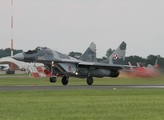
{"x": 19, "y": 56}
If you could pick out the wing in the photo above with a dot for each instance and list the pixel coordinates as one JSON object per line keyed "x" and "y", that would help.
{"x": 102, "y": 65}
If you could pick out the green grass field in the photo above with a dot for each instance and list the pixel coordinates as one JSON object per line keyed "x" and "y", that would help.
{"x": 119, "y": 104}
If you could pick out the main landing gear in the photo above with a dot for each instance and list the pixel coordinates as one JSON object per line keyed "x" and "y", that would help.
{"x": 89, "y": 80}
{"x": 64, "y": 80}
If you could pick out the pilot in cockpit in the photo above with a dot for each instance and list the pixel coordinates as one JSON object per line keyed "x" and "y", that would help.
{"x": 40, "y": 48}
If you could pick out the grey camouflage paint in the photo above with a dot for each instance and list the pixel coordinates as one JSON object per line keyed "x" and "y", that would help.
{"x": 90, "y": 54}
{"x": 118, "y": 56}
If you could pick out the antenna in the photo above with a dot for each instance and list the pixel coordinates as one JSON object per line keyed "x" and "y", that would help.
{"x": 11, "y": 28}
{"x": 11, "y": 63}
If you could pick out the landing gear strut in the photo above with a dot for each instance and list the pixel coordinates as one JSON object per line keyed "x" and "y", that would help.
{"x": 89, "y": 80}
{"x": 52, "y": 78}
{"x": 65, "y": 80}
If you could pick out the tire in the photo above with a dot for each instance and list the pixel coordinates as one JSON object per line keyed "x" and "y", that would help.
{"x": 53, "y": 79}
{"x": 89, "y": 80}
{"x": 64, "y": 80}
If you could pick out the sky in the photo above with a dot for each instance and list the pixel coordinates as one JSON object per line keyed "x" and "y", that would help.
{"x": 71, "y": 25}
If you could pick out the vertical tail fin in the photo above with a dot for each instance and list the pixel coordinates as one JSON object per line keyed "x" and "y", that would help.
{"x": 130, "y": 64}
{"x": 156, "y": 63}
{"x": 138, "y": 65}
{"x": 90, "y": 54}
{"x": 118, "y": 56}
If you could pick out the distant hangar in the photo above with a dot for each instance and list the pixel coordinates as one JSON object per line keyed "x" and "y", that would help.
{"x": 18, "y": 64}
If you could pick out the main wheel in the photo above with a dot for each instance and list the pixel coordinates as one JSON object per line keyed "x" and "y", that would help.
{"x": 53, "y": 79}
{"x": 89, "y": 80}
{"x": 65, "y": 80}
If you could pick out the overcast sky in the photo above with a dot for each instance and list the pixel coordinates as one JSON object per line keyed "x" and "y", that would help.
{"x": 71, "y": 25}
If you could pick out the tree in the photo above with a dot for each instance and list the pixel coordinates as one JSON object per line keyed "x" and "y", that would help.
{"x": 75, "y": 54}
{"x": 161, "y": 63}
{"x": 134, "y": 59}
{"x": 17, "y": 51}
{"x": 7, "y": 52}
{"x": 109, "y": 52}
{"x": 151, "y": 59}
{"x": 101, "y": 59}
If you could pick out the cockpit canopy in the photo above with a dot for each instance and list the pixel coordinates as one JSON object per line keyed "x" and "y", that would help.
{"x": 39, "y": 48}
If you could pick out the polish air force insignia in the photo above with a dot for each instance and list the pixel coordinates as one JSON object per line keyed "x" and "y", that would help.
{"x": 115, "y": 56}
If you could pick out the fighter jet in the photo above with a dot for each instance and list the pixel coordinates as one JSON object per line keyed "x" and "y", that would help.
{"x": 66, "y": 66}
{"x": 4, "y": 67}
{"x": 89, "y": 56}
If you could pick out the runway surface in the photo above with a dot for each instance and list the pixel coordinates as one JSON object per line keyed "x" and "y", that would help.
{"x": 79, "y": 87}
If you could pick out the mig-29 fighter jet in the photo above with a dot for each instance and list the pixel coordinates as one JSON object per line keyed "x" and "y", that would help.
{"x": 85, "y": 67}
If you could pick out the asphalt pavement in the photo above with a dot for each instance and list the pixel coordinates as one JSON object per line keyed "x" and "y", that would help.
{"x": 79, "y": 87}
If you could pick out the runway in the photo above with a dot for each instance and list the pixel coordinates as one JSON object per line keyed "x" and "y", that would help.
{"x": 79, "y": 87}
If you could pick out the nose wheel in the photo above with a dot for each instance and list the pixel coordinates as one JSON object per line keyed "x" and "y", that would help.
{"x": 89, "y": 80}
{"x": 53, "y": 79}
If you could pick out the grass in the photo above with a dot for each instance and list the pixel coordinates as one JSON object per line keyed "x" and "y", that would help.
{"x": 119, "y": 104}
{"x": 18, "y": 80}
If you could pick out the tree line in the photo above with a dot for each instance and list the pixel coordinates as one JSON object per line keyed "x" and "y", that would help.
{"x": 150, "y": 59}
{"x": 7, "y": 52}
